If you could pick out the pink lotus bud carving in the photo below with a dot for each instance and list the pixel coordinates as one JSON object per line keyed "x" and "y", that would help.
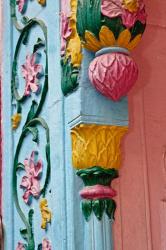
{"x": 113, "y": 75}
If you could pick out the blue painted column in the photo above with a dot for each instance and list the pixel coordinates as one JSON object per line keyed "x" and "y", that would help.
{"x": 87, "y": 106}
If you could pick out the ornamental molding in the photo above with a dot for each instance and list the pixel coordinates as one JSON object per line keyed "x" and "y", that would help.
{"x": 106, "y": 32}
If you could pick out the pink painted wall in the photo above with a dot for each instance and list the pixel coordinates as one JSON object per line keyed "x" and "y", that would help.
{"x": 141, "y": 215}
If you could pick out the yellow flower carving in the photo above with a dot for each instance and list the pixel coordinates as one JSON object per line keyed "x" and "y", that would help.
{"x": 16, "y": 119}
{"x": 45, "y": 213}
{"x": 74, "y": 46}
{"x": 107, "y": 39}
{"x": 42, "y": 2}
{"x": 131, "y": 5}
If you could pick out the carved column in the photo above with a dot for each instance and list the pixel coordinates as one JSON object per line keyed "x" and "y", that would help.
{"x": 97, "y": 39}
{"x": 97, "y": 157}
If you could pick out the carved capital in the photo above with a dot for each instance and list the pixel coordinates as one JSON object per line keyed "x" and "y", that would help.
{"x": 96, "y": 154}
{"x": 94, "y": 145}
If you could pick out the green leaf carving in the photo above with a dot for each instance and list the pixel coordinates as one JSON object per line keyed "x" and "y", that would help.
{"x": 69, "y": 77}
{"x": 138, "y": 28}
{"x": 34, "y": 131}
{"x": 39, "y": 44}
{"x": 24, "y": 234}
{"x": 20, "y": 166}
{"x": 97, "y": 175}
{"x": 30, "y": 216}
{"x": 39, "y": 247}
{"x": 31, "y": 112}
{"x": 98, "y": 208}
{"x": 87, "y": 209}
{"x": 110, "y": 208}
{"x": 89, "y": 16}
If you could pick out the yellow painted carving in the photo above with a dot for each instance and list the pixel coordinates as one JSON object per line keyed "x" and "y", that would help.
{"x": 92, "y": 40}
{"x": 97, "y": 145}
{"x": 134, "y": 42}
{"x": 131, "y": 5}
{"x": 42, "y": 2}
{"x": 124, "y": 38}
{"x": 107, "y": 39}
{"x": 74, "y": 46}
{"x": 45, "y": 213}
{"x": 16, "y": 119}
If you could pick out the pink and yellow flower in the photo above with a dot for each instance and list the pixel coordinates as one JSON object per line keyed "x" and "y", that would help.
{"x": 31, "y": 71}
{"x": 129, "y": 10}
{"x": 30, "y": 182}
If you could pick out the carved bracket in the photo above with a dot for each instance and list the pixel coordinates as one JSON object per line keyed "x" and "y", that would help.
{"x": 108, "y": 31}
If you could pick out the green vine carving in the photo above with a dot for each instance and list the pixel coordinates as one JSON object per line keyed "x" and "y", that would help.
{"x": 33, "y": 119}
{"x": 69, "y": 81}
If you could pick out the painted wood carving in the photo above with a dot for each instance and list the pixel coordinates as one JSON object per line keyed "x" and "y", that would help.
{"x": 115, "y": 29}
{"x": 71, "y": 55}
{"x": 31, "y": 176}
{"x": 108, "y": 31}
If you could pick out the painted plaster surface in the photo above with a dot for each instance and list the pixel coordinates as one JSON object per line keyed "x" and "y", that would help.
{"x": 141, "y": 189}
{"x": 140, "y": 219}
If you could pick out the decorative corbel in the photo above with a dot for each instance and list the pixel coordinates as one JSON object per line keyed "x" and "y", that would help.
{"x": 107, "y": 30}
{"x": 111, "y": 29}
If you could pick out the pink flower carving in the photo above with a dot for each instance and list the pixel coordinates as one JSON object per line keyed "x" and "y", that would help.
{"x": 31, "y": 71}
{"x": 21, "y": 5}
{"x": 20, "y": 246}
{"x": 30, "y": 183}
{"x": 46, "y": 245}
{"x": 115, "y": 8}
{"x": 65, "y": 32}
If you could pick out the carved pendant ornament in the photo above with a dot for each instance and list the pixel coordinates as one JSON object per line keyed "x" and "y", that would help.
{"x": 110, "y": 30}
{"x": 32, "y": 176}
